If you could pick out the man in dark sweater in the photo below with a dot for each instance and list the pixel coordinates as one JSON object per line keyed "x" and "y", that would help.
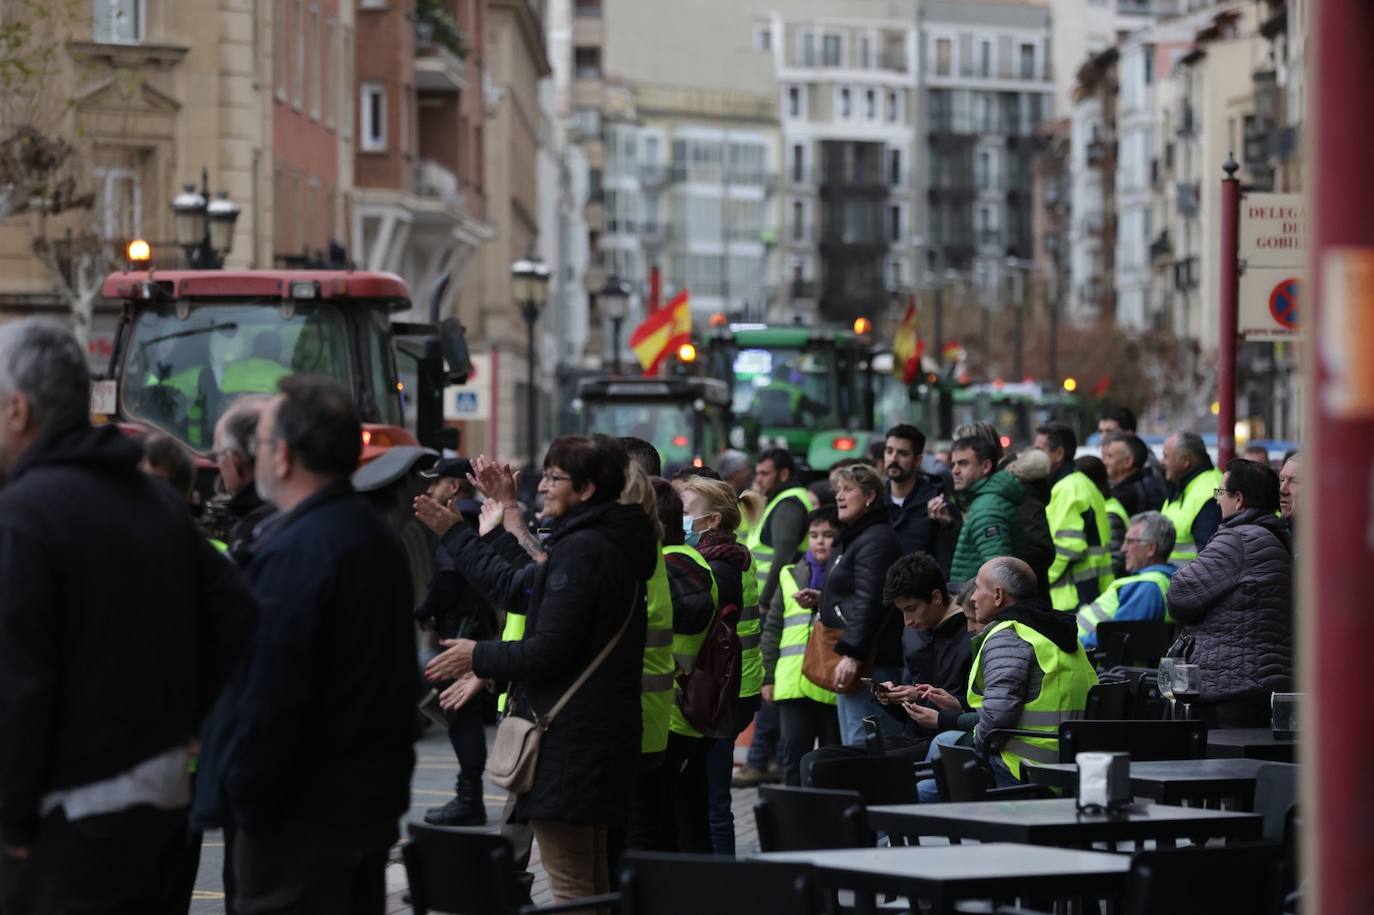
{"x": 119, "y": 624}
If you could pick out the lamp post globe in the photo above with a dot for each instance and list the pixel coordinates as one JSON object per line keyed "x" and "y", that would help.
{"x": 222, "y": 213}
{"x": 188, "y": 217}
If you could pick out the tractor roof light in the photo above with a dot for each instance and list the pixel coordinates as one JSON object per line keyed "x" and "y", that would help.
{"x": 139, "y": 252}
{"x": 687, "y": 353}
{"x": 863, "y": 326}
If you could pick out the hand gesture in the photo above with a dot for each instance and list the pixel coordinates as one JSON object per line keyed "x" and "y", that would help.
{"x": 845, "y": 672}
{"x": 809, "y": 598}
{"x": 938, "y": 697}
{"x": 925, "y": 717}
{"x": 490, "y": 517}
{"x": 453, "y": 663}
{"x": 435, "y": 516}
{"x": 461, "y": 692}
{"x": 493, "y": 480}
{"x": 938, "y": 509}
{"x": 894, "y": 694}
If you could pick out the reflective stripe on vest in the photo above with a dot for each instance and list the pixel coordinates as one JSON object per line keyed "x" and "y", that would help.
{"x": 513, "y": 631}
{"x": 686, "y": 647}
{"x": 1114, "y": 507}
{"x": 1084, "y": 569}
{"x": 750, "y": 630}
{"x": 656, "y": 684}
{"x": 1105, "y": 607}
{"x": 763, "y": 553}
{"x": 788, "y": 682}
{"x": 1065, "y": 681}
{"x": 1183, "y": 511}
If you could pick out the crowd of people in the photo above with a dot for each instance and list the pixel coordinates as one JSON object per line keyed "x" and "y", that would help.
{"x": 158, "y": 683}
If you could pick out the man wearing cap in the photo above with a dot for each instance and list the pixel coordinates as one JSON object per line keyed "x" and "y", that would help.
{"x": 453, "y": 610}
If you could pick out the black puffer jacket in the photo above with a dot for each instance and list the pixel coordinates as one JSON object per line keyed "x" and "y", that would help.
{"x": 1236, "y": 602}
{"x": 853, "y": 595}
{"x": 600, "y": 557}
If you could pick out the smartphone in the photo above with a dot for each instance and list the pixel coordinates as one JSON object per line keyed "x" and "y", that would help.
{"x": 867, "y": 681}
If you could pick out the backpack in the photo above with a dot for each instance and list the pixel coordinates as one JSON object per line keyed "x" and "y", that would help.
{"x": 710, "y": 690}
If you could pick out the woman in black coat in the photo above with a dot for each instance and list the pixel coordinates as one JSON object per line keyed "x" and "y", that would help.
{"x": 600, "y": 554}
{"x": 853, "y": 598}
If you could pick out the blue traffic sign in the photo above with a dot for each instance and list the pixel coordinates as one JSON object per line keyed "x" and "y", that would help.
{"x": 1283, "y": 304}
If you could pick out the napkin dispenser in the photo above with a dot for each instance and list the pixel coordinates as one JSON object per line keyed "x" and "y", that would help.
{"x": 1104, "y": 781}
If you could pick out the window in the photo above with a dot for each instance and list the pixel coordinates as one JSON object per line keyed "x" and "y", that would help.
{"x": 373, "y": 117}
{"x": 942, "y": 57}
{"x": 1028, "y": 61}
{"x": 865, "y": 52}
{"x": 298, "y": 58}
{"x": 808, "y": 50}
{"x": 118, "y": 21}
{"x": 894, "y": 223}
{"x": 794, "y": 107}
{"x": 587, "y": 63}
{"x": 985, "y": 59}
{"x": 846, "y": 103}
{"x": 798, "y": 220}
{"x": 279, "y": 209}
{"x": 871, "y": 104}
{"x": 312, "y": 54}
{"x": 894, "y": 274}
{"x": 830, "y": 51}
{"x": 892, "y": 108}
{"x": 119, "y": 204}
{"x": 328, "y": 78}
{"x": 982, "y": 170}
{"x": 798, "y": 163}
{"x": 894, "y": 167}
{"x": 1149, "y": 64}
{"x": 345, "y": 89}
{"x": 372, "y": 4}
{"x": 763, "y": 36}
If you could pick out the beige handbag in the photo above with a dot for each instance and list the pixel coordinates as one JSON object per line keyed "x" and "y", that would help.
{"x": 514, "y": 755}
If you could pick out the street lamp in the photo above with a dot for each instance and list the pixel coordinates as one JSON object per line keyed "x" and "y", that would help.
{"x": 530, "y": 286}
{"x": 615, "y": 300}
{"x": 204, "y": 228}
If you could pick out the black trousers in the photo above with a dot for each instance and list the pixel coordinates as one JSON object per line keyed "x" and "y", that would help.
{"x": 469, "y": 739}
{"x": 112, "y": 864}
{"x": 804, "y": 724}
{"x": 304, "y": 869}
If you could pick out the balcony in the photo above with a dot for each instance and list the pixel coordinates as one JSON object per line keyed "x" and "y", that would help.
{"x": 656, "y": 175}
{"x": 1186, "y": 274}
{"x": 437, "y": 67}
{"x": 892, "y": 60}
{"x": 1188, "y": 195}
{"x": 439, "y": 183}
{"x": 595, "y": 216}
{"x": 1100, "y": 154}
{"x": 1185, "y": 119}
{"x": 989, "y": 238}
{"x": 802, "y": 289}
{"x": 1162, "y": 248}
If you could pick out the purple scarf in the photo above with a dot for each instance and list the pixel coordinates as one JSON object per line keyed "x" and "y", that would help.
{"x": 817, "y": 571}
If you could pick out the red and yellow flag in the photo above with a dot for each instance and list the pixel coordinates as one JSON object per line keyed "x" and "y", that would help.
{"x": 907, "y": 346}
{"x": 662, "y": 333}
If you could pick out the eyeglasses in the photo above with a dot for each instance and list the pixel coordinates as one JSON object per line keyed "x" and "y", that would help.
{"x": 1135, "y": 540}
{"x": 1219, "y": 491}
{"x": 554, "y": 478}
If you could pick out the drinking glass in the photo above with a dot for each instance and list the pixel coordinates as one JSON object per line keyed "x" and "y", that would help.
{"x": 1285, "y": 707}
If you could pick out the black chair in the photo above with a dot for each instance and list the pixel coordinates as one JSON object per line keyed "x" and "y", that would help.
{"x": 801, "y": 819}
{"x": 1144, "y": 740}
{"x": 1137, "y": 642}
{"x": 1108, "y": 699}
{"x": 879, "y": 779}
{"x": 960, "y": 778}
{"x": 1276, "y": 800}
{"x": 1200, "y": 881}
{"x": 664, "y": 884}
{"x": 472, "y": 872}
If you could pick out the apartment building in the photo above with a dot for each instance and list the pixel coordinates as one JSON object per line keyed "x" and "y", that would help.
{"x": 1083, "y": 29}
{"x": 1092, "y": 167}
{"x": 987, "y": 86}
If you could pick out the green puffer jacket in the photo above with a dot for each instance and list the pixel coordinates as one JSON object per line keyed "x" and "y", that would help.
{"x": 991, "y": 526}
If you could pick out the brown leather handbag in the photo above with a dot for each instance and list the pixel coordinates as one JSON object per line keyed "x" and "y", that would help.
{"x": 821, "y": 658}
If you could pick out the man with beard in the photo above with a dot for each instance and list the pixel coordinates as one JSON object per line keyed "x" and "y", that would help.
{"x": 909, "y": 492}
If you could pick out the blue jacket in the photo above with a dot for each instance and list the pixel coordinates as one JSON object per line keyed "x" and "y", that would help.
{"x": 319, "y": 724}
{"x": 1141, "y": 600}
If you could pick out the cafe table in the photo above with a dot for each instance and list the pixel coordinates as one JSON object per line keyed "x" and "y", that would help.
{"x": 944, "y": 874}
{"x": 1250, "y": 743}
{"x": 1059, "y": 822}
{"x": 1171, "y": 781}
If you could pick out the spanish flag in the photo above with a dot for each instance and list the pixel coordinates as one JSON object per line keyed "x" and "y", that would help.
{"x": 907, "y": 346}
{"x": 662, "y": 333}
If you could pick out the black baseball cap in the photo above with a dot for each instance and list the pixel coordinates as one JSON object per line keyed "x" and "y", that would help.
{"x": 458, "y": 468}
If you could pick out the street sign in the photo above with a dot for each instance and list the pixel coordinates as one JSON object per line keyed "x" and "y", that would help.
{"x": 1273, "y": 230}
{"x": 471, "y": 401}
{"x": 1270, "y": 303}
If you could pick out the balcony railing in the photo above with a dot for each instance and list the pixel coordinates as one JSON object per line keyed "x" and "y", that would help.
{"x": 1161, "y": 248}
{"x": 1187, "y": 195}
{"x": 1186, "y": 274}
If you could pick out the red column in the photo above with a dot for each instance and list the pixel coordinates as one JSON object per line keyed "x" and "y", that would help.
{"x": 1230, "y": 314}
{"x": 1337, "y": 522}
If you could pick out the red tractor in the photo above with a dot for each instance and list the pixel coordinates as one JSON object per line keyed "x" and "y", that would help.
{"x": 191, "y": 341}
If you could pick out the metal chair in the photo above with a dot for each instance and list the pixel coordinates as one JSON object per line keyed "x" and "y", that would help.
{"x": 664, "y": 884}
{"x": 1137, "y": 642}
{"x": 1144, "y": 740}
{"x": 959, "y": 777}
{"x": 472, "y": 872}
{"x": 801, "y": 819}
{"x": 879, "y": 779}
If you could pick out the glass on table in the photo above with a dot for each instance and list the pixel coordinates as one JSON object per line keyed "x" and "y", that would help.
{"x": 1285, "y": 710}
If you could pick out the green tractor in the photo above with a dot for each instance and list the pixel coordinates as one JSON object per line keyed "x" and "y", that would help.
{"x": 686, "y": 418}
{"x": 807, "y": 389}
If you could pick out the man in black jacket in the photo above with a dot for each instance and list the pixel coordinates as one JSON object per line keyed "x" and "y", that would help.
{"x": 314, "y": 771}
{"x": 119, "y": 624}
{"x": 235, "y": 455}
{"x": 1134, "y": 485}
{"x": 909, "y": 492}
